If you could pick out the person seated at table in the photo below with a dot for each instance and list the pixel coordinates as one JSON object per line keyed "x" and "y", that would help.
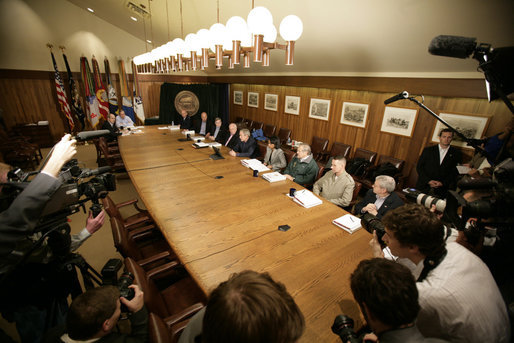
{"x": 185, "y": 121}
{"x": 380, "y": 198}
{"x": 217, "y": 132}
{"x": 232, "y": 137}
{"x": 336, "y": 185}
{"x": 247, "y": 146}
{"x": 202, "y": 126}
{"x": 248, "y": 307}
{"x": 110, "y": 124}
{"x": 303, "y": 168}
{"x": 274, "y": 157}
{"x": 123, "y": 121}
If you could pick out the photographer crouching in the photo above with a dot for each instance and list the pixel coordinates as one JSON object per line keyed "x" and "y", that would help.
{"x": 34, "y": 283}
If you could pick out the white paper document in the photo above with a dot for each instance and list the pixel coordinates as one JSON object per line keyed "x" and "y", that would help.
{"x": 306, "y": 198}
{"x": 254, "y": 164}
{"x": 348, "y": 223}
{"x": 463, "y": 169}
{"x": 273, "y": 177}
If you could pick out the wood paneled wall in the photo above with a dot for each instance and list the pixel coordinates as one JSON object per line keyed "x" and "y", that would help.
{"x": 371, "y": 138}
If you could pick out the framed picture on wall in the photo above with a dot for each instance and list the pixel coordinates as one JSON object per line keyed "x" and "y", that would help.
{"x": 354, "y": 114}
{"x": 270, "y": 102}
{"x": 238, "y": 97}
{"x": 399, "y": 121}
{"x": 470, "y": 125}
{"x": 253, "y": 99}
{"x": 319, "y": 109}
{"x": 292, "y": 105}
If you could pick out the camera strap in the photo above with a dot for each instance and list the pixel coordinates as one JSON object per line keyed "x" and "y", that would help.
{"x": 430, "y": 263}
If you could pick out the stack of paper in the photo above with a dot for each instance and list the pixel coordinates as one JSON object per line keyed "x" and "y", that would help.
{"x": 254, "y": 164}
{"x": 273, "y": 177}
{"x": 306, "y": 198}
{"x": 190, "y": 132}
{"x": 197, "y": 138}
{"x": 174, "y": 127}
{"x": 348, "y": 223}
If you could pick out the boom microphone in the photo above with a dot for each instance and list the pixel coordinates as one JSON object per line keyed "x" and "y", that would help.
{"x": 85, "y": 135}
{"x": 402, "y": 95}
{"x": 88, "y": 172}
{"x": 452, "y": 46}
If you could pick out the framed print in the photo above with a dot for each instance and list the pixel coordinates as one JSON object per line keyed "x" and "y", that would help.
{"x": 399, "y": 121}
{"x": 238, "y": 97}
{"x": 470, "y": 125}
{"x": 319, "y": 109}
{"x": 270, "y": 102}
{"x": 354, "y": 114}
{"x": 292, "y": 105}
{"x": 253, "y": 99}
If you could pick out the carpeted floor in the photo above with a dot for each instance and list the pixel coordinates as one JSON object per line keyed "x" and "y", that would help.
{"x": 99, "y": 248}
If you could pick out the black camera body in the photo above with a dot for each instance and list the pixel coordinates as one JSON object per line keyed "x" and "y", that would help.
{"x": 372, "y": 223}
{"x": 343, "y": 327}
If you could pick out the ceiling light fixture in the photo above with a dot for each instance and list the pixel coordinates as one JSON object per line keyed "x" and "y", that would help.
{"x": 91, "y": 10}
{"x": 133, "y": 18}
{"x": 257, "y": 35}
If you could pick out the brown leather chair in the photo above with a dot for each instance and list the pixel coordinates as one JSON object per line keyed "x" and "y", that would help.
{"x": 368, "y": 179}
{"x": 269, "y": 130}
{"x": 338, "y": 149}
{"x": 318, "y": 147}
{"x": 177, "y": 301}
{"x": 141, "y": 218}
{"x": 112, "y": 157}
{"x": 284, "y": 135}
{"x": 262, "y": 149}
{"x": 256, "y": 125}
{"x": 247, "y": 123}
{"x": 369, "y": 155}
{"x": 289, "y": 154}
{"x": 355, "y": 196}
{"x": 321, "y": 169}
{"x": 161, "y": 332}
{"x": 239, "y": 120}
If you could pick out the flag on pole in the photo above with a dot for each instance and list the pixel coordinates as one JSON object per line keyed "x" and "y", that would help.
{"x": 61, "y": 96}
{"x": 126, "y": 101}
{"x": 101, "y": 94}
{"x": 111, "y": 91}
{"x": 92, "y": 110}
{"x": 76, "y": 104}
{"x": 138, "y": 102}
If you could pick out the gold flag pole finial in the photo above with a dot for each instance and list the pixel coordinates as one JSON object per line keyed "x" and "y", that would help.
{"x": 62, "y": 47}
{"x": 49, "y": 46}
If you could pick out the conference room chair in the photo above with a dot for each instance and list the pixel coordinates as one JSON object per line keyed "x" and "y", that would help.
{"x": 269, "y": 130}
{"x": 112, "y": 158}
{"x": 19, "y": 156}
{"x": 355, "y": 197}
{"x": 256, "y": 125}
{"x": 289, "y": 154}
{"x": 338, "y": 149}
{"x": 178, "y": 301}
{"x": 262, "y": 146}
{"x": 141, "y": 218}
{"x": 321, "y": 169}
{"x": 368, "y": 178}
{"x": 161, "y": 332}
{"x": 145, "y": 244}
{"x": 238, "y": 120}
{"x": 247, "y": 123}
{"x": 368, "y": 155}
{"x": 284, "y": 135}
{"x": 318, "y": 147}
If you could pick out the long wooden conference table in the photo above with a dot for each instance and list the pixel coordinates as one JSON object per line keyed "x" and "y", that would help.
{"x": 219, "y": 226}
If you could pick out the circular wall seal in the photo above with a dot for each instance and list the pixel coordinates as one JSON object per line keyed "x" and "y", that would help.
{"x": 186, "y": 100}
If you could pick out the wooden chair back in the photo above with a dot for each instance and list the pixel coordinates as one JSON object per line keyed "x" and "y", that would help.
{"x": 369, "y": 155}
{"x": 318, "y": 147}
{"x": 284, "y": 135}
{"x": 269, "y": 130}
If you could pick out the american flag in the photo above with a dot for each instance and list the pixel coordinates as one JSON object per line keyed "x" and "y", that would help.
{"x": 61, "y": 95}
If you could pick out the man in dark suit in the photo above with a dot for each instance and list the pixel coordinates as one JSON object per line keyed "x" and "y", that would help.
{"x": 437, "y": 172}
{"x": 185, "y": 121}
{"x": 380, "y": 199}
{"x": 110, "y": 125}
{"x": 217, "y": 132}
{"x": 202, "y": 126}
{"x": 247, "y": 146}
{"x": 232, "y": 138}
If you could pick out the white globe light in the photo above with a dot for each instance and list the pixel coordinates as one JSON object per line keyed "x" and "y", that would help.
{"x": 247, "y": 41}
{"x": 291, "y": 28}
{"x": 258, "y": 19}
{"x": 218, "y": 34}
{"x": 204, "y": 38}
{"x": 270, "y": 36}
{"x": 192, "y": 41}
{"x": 236, "y": 28}
{"x": 170, "y": 49}
{"x": 180, "y": 45}
{"x": 138, "y": 59}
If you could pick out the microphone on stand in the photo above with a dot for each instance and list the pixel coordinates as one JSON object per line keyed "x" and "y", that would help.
{"x": 452, "y": 46}
{"x": 402, "y": 95}
{"x": 85, "y": 135}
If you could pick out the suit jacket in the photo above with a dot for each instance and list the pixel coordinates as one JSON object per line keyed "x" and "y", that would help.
{"x": 198, "y": 126}
{"x": 275, "y": 159}
{"x": 185, "y": 123}
{"x": 247, "y": 149}
{"x": 114, "y": 132}
{"x": 222, "y": 134}
{"x": 233, "y": 141}
{"x": 429, "y": 168}
{"x": 391, "y": 202}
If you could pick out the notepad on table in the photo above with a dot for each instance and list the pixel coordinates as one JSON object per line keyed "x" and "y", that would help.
{"x": 273, "y": 177}
{"x": 254, "y": 164}
{"x": 348, "y": 223}
{"x": 306, "y": 198}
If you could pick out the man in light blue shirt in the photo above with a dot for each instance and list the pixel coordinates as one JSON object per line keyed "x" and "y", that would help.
{"x": 123, "y": 121}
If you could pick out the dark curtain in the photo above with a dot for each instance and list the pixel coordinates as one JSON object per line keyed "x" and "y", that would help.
{"x": 213, "y": 100}
{"x": 223, "y": 112}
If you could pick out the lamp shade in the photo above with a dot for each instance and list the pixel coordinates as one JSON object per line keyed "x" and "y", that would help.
{"x": 291, "y": 28}
{"x": 180, "y": 45}
{"x": 270, "y": 35}
{"x": 218, "y": 34}
{"x": 258, "y": 19}
{"x": 236, "y": 28}
{"x": 138, "y": 60}
{"x": 204, "y": 38}
{"x": 170, "y": 49}
{"x": 192, "y": 42}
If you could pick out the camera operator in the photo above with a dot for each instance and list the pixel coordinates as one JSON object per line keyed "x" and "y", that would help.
{"x": 33, "y": 294}
{"x": 94, "y": 315}
{"x": 459, "y": 298}
{"x": 387, "y": 296}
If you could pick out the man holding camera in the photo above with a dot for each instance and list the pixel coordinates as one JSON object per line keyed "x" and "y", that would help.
{"x": 459, "y": 298}
{"x": 94, "y": 315}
